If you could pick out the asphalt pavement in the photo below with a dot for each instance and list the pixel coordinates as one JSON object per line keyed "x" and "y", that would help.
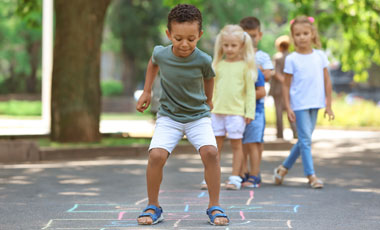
{"x": 109, "y": 193}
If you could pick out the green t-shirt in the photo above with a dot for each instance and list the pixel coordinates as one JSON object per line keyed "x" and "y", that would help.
{"x": 183, "y": 97}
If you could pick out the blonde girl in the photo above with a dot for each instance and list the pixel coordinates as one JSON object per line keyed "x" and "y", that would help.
{"x": 234, "y": 98}
{"x": 307, "y": 88}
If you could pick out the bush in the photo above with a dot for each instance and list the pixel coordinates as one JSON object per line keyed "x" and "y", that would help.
{"x": 111, "y": 88}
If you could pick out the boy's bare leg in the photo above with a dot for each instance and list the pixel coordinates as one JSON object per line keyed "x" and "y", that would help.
{"x": 244, "y": 167}
{"x": 210, "y": 159}
{"x": 154, "y": 171}
{"x": 255, "y": 158}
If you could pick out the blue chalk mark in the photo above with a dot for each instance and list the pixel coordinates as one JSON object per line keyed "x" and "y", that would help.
{"x": 123, "y": 223}
{"x": 73, "y": 208}
{"x": 296, "y": 208}
{"x": 201, "y": 195}
{"x": 186, "y": 208}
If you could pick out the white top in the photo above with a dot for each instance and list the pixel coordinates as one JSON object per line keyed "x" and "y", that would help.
{"x": 263, "y": 60}
{"x": 307, "y": 89}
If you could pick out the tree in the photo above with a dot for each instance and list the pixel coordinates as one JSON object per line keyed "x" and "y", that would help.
{"x": 75, "y": 84}
{"x": 351, "y": 31}
{"x": 136, "y": 24}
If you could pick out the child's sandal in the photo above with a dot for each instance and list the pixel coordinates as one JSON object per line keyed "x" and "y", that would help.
{"x": 234, "y": 183}
{"x": 315, "y": 182}
{"x": 252, "y": 182}
{"x": 157, "y": 216}
{"x": 216, "y": 215}
{"x": 279, "y": 174}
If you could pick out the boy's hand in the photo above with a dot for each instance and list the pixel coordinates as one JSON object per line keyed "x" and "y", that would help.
{"x": 247, "y": 120}
{"x": 210, "y": 104}
{"x": 291, "y": 115}
{"x": 143, "y": 102}
{"x": 329, "y": 113}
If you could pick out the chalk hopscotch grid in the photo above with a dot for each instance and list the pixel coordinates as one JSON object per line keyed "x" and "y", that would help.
{"x": 178, "y": 215}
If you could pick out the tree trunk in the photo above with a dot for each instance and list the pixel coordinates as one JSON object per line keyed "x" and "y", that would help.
{"x": 76, "y": 104}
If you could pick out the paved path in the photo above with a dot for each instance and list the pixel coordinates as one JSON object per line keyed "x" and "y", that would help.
{"x": 108, "y": 194}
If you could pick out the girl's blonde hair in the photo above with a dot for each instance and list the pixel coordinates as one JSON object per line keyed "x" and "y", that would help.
{"x": 309, "y": 21}
{"x": 248, "y": 51}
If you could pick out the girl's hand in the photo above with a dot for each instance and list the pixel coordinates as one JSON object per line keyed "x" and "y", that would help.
{"x": 291, "y": 115}
{"x": 143, "y": 102}
{"x": 329, "y": 113}
{"x": 247, "y": 120}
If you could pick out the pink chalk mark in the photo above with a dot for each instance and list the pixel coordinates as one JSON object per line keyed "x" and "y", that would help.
{"x": 121, "y": 214}
{"x": 251, "y": 194}
{"x": 242, "y": 215}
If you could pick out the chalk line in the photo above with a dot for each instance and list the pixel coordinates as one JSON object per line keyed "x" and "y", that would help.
{"x": 48, "y": 224}
{"x": 121, "y": 214}
{"x": 73, "y": 208}
{"x": 140, "y": 201}
{"x": 289, "y": 224}
{"x": 242, "y": 215}
{"x": 250, "y": 197}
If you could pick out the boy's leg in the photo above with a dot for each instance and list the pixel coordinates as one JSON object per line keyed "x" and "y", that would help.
{"x": 154, "y": 170}
{"x": 211, "y": 162}
{"x": 166, "y": 136}
{"x": 201, "y": 135}
{"x": 254, "y": 154}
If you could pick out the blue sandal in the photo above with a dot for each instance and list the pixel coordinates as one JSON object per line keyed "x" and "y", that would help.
{"x": 253, "y": 182}
{"x": 216, "y": 215}
{"x": 157, "y": 216}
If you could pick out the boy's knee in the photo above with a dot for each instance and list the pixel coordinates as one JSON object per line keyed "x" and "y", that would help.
{"x": 208, "y": 151}
{"x": 158, "y": 155}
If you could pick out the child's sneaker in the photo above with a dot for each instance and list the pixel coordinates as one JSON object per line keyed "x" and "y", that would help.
{"x": 203, "y": 185}
{"x": 279, "y": 174}
{"x": 252, "y": 182}
{"x": 234, "y": 183}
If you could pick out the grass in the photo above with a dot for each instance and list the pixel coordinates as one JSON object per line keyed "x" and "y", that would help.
{"x": 105, "y": 142}
{"x": 358, "y": 114}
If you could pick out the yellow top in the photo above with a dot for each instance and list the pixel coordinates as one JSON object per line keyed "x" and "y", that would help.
{"x": 234, "y": 90}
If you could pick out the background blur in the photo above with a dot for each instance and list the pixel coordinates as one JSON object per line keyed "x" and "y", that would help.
{"x": 349, "y": 32}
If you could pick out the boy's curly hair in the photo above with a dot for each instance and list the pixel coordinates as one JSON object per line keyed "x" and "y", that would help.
{"x": 185, "y": 13}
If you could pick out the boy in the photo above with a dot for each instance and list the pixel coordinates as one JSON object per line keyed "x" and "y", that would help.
{"x": 254, "y": 132}
{"x": 187, "y": 86}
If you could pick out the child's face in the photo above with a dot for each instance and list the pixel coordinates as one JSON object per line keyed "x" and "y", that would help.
{"x": 302, "y": 35}
{"x": 231, "y": 46}
{"x": 256, "y": 35}
{"x": 184, "y": 37}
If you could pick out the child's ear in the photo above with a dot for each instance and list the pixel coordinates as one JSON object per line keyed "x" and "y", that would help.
{"x": 168, "y": 34}
{"x": 200, "y": 33}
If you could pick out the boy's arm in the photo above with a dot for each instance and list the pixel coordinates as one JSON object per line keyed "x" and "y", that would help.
{"x": 328, "y": 90}
{"x": 151, "y": 73}
{"x": 286, "y": 95}
{"x": 209, "y": 88}
{"x": 267, "y": 74}
{"x": 260, "y": 92}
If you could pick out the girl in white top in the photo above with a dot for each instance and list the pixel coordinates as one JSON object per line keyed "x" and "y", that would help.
{"x": 307, "y": 88}
{"x": 234, "y": 98}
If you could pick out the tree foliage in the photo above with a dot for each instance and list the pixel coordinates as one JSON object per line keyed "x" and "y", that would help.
{"x": 350, "y": 29}
{"x": 20, "y": 45}
{"x": 137, "y": 24}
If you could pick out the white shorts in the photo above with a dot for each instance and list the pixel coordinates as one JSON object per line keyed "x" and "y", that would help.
{"x": 232, "y": 125}
{"x": 169, "y": 132}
